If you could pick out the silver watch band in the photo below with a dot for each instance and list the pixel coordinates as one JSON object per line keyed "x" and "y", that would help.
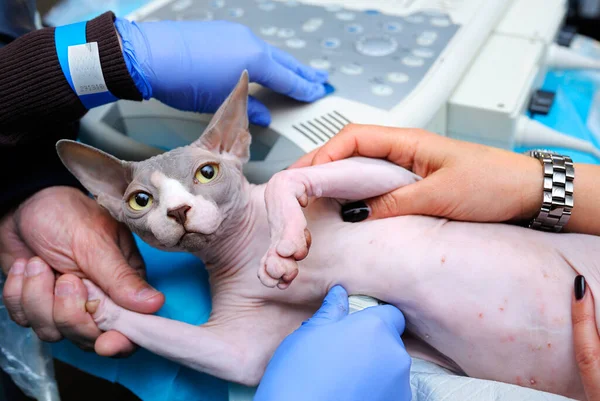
{"x": 557, "y": 204}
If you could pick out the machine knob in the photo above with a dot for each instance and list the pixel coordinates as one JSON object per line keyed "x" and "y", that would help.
{"x": 376, "y": 46}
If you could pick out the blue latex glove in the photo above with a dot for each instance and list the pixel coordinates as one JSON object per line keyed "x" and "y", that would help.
{"x": 194, "y": 65}
{"x": 335, "y": 356}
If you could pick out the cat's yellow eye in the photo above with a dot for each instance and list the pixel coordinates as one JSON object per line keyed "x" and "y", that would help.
{"x": 207, "y": 173}
{"x": 140, "y": 201}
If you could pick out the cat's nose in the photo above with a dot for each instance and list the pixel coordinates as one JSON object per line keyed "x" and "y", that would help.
{"x": 179, "y": 214}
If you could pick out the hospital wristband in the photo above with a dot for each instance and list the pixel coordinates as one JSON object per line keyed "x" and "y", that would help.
{"x": 80, "y": 63}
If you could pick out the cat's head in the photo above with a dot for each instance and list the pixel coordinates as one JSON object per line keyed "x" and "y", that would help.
{"x": 181, "y": 199}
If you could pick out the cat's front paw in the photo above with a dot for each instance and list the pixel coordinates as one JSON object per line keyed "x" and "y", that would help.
{"x": 279, "y": 267}
{"x": 277, "y": 271}
{"x": 103, "y": 310}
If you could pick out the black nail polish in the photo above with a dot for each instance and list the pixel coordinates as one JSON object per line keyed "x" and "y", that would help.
{"x": 579, "y": 287}
{"x": 355, "y": 212}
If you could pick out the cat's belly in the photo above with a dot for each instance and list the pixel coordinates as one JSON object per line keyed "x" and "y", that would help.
{"x": 493, "y": 298}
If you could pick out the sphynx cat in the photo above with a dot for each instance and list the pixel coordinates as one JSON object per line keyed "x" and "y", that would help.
{"x": 491, "y": 301}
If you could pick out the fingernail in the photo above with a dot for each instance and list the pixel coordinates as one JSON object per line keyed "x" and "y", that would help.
{"x": 146, "y": 294}
{"x": 18, "y": 268}
{"x": 33, "y": 268}
{"x": 64, "y": 289}
{"x": 579, "y": 287}
{"x": 355, "y": 212}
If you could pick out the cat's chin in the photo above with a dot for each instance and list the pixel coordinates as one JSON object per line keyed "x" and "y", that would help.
{"x": 192, "y": 242}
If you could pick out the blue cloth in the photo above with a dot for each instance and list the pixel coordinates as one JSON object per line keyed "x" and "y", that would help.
{"x": 569, "y": 114}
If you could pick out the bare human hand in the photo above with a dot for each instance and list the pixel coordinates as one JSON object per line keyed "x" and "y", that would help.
{"x": 51, "y": 241}
{"x": 461, "y": 180}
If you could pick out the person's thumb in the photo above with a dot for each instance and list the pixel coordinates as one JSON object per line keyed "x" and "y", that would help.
{"x": 123, "y": 283}
{"x": 586, "y": 340}
{"x": 335, "y": 306}
{"x": 258, "y": 113}
{"x": 419, "y": 198}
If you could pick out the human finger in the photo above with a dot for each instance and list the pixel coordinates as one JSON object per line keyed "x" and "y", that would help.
{"x": 258, "y": 113}
{"x": 306, "y": 72}
{"x": 420, "y": 198}
{"x": 286, "y": 82}
{"x": 114, "y": 344}
{"x": 389, "y": 314}
{"x": 12, "y": 246}
{"x": 585, "y": 339}
{"x": 12, "y": 293}
{"x": 70, "y": 316}
{"x": 394, "y": 144}
{"x": 105, "y": 264}
{"x": 38, "y": 299}
{"x": 334, "y": 307}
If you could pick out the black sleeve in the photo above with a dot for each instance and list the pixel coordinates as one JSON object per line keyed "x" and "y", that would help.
{"x": 38, "y": 107}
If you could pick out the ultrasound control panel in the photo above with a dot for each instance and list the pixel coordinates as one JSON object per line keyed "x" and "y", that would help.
{"x": 372, "y": 57}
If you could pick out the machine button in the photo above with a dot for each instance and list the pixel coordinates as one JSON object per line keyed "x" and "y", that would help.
{"x": 181, "y": 5}
{"x": 426, "y": 38}
{"x": 441, "y": 22}
{"x": 269, "y": 6}
{"x": 397, "y": 77}
{"x": 376, "y": 46}
{"x": 354, "y": 28}
{"x": 295, "y": 43}
{"x": 413, "y": 61}
{"x": 415, "y": 19}
{"x": 345, "y": 16}
{"x": 331, "y": 43}
{"x": 312, "y": 25}
{"x": 423, "y": 52}
{"x": 352, "y": 69}
{"x": 217, "y": 3}
{"x": 429, "y": 35}
{"x": 392, "y": 27}
{"x": 285, "y": 33}
{"x": 268, "y": 30}
{"x": 320, "y": 64}
{"x": 236, "y": 12}
{"x": 382, "y": 90}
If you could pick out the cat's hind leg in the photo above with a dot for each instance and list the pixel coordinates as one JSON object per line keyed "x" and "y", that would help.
{"x": 288, "y": 191}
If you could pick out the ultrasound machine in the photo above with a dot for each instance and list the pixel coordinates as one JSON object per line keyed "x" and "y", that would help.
{"x": 467, "y": 69}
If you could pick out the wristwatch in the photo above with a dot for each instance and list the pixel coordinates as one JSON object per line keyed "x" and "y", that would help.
{"x": 557, "y": 203}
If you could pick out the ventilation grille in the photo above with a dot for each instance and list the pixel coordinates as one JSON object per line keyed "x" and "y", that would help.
{"x": 321, "y": 129}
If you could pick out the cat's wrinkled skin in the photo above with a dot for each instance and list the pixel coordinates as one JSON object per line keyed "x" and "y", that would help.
{"x": 493, "y": 299}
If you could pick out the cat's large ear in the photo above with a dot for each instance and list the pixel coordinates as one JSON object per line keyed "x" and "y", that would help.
{"x": 105, "y": 176}
{"x": 227, "y": 131}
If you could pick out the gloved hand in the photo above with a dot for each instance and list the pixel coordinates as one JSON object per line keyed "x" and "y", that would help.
{"x": 194, "y": 65}
{"x": 336, "y": 356}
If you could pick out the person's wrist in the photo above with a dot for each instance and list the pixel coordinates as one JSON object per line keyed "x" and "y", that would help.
{"x": 532, "y": 188}
{"x": 135, "y": 52}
